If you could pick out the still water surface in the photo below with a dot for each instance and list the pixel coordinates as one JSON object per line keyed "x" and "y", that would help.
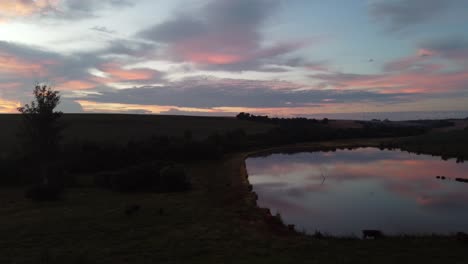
{"x": 343, "y": 192}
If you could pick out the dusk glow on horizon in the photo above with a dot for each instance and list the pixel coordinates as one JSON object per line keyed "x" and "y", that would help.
{"x": 222, "y": 57}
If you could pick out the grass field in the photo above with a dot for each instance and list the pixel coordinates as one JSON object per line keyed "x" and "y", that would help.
{"x": 216, "y": 222}
{"x": 122, "y": 128}
{"x": 449, "y": 144}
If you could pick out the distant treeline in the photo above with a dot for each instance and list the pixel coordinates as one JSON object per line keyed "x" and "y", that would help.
{"x": 279, "y": 120}
{"x": 91, "y": 157}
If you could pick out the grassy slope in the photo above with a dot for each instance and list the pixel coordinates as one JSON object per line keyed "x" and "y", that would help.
{"x": 122, "y": 128}
{"x": 451, "y": 144}
{"x": 217, "y": 222}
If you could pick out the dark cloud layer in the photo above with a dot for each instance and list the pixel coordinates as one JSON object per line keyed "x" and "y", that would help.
{"x": 453, "y": 47}
{"x": 397, "y": 15}
{"x": 236, "y": 93}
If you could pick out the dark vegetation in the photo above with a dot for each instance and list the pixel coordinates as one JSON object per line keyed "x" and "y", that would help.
{"x": 151, "y": 177}
{"x": 119, "y": 129}
{"x": 92, "y": 156}
{"x": 51, "y": 164}
{"x": 296, "y": 130}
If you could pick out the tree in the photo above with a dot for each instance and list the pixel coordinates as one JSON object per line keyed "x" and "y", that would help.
{"x": 41, "y": 128}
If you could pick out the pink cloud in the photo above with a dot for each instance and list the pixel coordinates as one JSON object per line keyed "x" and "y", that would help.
{"x": 425, "y": 80}
{"x": 316, "y": 67}
{"x": 426, "y": 52}
{"x": 403, "y": 64}
{"x": 10, "y": 85}
{"x": 117, "y": 73}
{"x": 216, "y": 50}
{"x": 10, "y": 64}
{"x": 71, "y": 85}
{"x": 213, "y": 58}
{"x": 223, "y": 33}
{"x": 227, "y": 49}
{"x": 413, "y": 62}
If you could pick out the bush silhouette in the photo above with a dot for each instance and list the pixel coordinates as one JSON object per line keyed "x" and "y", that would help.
{"x": 40, "y": 135}
{"x": 41, "y": 130}
{"x": 43, "y": 192}
{"x": 138, "y": 178}
{"x": 151, "y": 177}
{"x": 174, "y": 179}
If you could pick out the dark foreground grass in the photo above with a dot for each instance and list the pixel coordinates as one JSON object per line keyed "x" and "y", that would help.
{"x": 216, "y": 222}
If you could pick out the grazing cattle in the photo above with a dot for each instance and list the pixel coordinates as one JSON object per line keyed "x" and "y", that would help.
{"x": 132, "y": 209}
{"x": 375, "y": 234}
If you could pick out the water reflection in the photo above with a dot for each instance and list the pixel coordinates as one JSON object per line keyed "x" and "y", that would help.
{"x": 346, "y": 191}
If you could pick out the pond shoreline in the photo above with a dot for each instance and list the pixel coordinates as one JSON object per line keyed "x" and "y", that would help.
{"x": 278, "y": 225}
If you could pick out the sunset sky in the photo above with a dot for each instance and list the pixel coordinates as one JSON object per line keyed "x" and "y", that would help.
{"x": 221, "y": 57}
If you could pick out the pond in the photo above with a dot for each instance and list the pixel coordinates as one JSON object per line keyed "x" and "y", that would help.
{"x": 344, "y": 192}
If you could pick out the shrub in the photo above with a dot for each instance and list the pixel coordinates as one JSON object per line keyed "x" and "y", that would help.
{"x": 173, "y": 179}
{"x": 139, "y": 178}
{"x": 133, "y": 180}
{"x": 44, "y": 192}
{"x": 156, "y": 176}
{"x": 103, "y": 180}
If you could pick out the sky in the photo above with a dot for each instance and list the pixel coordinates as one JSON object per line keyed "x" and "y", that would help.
{"x": 222, "y": 57}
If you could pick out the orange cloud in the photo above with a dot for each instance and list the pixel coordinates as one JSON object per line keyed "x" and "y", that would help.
{"x": 15, "y": 8}
{"x": 8, "y": 106}
{"x": 89, "y": 106}
{"x": 213, "y": 58}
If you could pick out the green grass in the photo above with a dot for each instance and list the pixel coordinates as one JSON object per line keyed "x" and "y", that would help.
{"x": 216, "y": 222}
{"x": 117, "y": 128}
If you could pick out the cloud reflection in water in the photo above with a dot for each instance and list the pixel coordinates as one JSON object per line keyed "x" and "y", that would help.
{"x": 346, "y": 191}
